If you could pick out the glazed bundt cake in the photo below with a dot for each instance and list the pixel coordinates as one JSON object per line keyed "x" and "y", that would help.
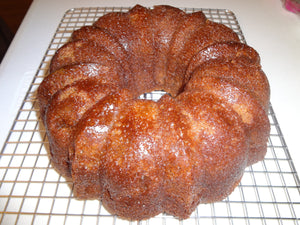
{"x": 144, "y": 157}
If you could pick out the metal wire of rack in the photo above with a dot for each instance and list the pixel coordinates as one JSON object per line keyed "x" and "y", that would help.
{"x": 32, "y": 192}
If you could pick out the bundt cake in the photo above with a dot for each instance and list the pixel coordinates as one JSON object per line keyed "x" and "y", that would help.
{"x": 144, "y": 157}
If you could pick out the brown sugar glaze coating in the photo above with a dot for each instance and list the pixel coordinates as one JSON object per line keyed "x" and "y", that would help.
{"x": 141, "y": 157}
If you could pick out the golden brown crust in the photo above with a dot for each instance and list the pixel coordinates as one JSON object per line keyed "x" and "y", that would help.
{"x": 70, "y": 74}
{"x": 133, "y": 30}
{"x": 191, "y": 22}
{"x": 252, "y": 113}
{"x": 221, "y": 141}
{"x": 104, "y": 39}
{"x": 246, "y": 72}
{"x": 188, "y": 40}
{"x": 223, "y": 50}
{"x": 81, "y": 51}
{"x": 134, "y": 180}
{"x": 165, "y": 20}
{"x": 141, "y": 157}
{"x": 90, "y": 145}
{"x": 183, "y": 163}
{"x": 67, "y": 107}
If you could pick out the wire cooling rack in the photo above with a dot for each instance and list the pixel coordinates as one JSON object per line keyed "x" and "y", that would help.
{"x": 32, "y": 192}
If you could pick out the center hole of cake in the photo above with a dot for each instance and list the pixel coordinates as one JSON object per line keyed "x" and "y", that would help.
{"x": 154, "y": 95}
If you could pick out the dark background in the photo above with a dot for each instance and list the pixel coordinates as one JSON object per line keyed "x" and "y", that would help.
{"x": 12, "y": 13}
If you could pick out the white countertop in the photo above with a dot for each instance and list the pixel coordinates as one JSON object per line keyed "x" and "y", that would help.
{"x": 267, "y": 26}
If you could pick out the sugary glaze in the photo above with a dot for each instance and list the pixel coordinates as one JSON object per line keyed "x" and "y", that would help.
{"x": 141, "y": 157}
